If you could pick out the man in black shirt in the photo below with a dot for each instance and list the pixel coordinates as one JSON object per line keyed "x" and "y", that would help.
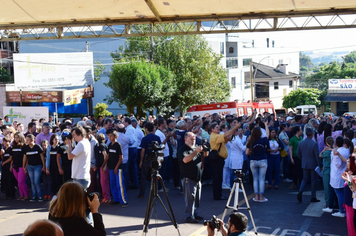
{"x": 190, "y": 161}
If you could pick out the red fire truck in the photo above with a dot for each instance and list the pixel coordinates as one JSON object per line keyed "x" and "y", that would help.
{"x": 224, "y": 108}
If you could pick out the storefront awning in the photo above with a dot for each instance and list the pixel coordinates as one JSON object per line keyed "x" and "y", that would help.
{"x": 340, "y": 97}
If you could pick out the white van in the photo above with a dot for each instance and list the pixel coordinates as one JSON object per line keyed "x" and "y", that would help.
{"x": 306, "y": 109}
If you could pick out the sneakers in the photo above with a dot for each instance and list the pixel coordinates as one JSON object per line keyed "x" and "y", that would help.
{"x": 20, "y": 198}
{"x": 124, "y": 205}
{"x": 327, "y": 210}
{"x": 338, "y": 214}
{"x": 140, "y": 196}
{"x": 287, "y": 180}
{"x": 177, "y": 188}
{"x": 199, "y": 217}
{"x": 33, "y": 199}
{"x": 40, "y": 199}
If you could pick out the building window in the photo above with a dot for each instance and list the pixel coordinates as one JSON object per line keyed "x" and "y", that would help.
{"x": 280, "y": 61}
{"x": 222, "y": 48}
{"x": 233, "y": 82}
{"x": 231, "y": 63}
{"x": 275, "y": 85}
{"x": 231, "y": 50}
{"x": 290, "y": 83}
{"x": 246, "y": 62}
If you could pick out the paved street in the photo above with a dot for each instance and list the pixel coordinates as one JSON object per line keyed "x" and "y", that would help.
{"x": 281, "y": 215}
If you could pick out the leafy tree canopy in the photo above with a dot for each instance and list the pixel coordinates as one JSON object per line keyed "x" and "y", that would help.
{"x": 302, "y": 97}
{"x": 198, "y": 76}
{"x": 350, "y": 58}
{"x": 100, "y": 110}
{"x": 143, "y": 85}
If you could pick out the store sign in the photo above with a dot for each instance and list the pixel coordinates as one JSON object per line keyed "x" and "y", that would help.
{"x": 342, "y": 84}
{"x": 34, "y": 96}
{"x": 34, "y": 71}
{"x": 24, "y": 115}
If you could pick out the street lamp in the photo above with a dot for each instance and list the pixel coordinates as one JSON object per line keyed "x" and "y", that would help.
{"x": 152, "y": 44}
{"x": 253, "y": 75}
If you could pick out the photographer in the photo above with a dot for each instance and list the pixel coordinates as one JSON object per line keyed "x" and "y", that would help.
{"x": 217, "y": 143}
{"x": 68, "y": 211}
{"x": 145, "y": 164}
{"x": 191, "y": 168}
{"x": 236, "y": 226}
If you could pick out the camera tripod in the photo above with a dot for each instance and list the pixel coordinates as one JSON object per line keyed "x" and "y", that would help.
{"x": 155, "y": 177}
{"x": 235, "y": 188}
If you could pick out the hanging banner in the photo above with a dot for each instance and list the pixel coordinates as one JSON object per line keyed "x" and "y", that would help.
{"x": 76, "y": 95}
{"x": 24, "y": 115}
{"x": 35, "y": 71}
{"x": 34, "y": 96}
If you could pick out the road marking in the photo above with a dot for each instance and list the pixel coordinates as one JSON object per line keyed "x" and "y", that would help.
{"x": 203, "y": 228}
{"x": 314, "y": 209}
{"x": 24, "y": 212}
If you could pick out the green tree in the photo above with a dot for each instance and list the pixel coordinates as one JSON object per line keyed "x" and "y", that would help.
{"x": 4, "y": 75}
{"x": 350, "y": 58}
{"x": 305, "y": 60}
{"x": 100, "y": 110}
{"x": 98, "y": 70}
{"x": 198, "y": 76}
{"x": 143, "y": 85}
{"x": 302, "y": 97}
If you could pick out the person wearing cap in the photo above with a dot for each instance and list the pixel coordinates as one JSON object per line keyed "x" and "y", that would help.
{"x": 45, "y": 134}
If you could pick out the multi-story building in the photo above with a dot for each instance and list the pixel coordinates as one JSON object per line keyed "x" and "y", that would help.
{"x": 238, "y": 52}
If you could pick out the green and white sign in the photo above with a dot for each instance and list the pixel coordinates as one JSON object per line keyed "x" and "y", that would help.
{"x": 24, "y": 115}
{"x": 34, "y": 71}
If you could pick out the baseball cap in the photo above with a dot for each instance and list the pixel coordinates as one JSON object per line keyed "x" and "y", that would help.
{"x": 45, "y": 124}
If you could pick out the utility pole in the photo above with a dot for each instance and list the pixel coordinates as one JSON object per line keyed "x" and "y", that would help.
{"x": 90, "y": 99}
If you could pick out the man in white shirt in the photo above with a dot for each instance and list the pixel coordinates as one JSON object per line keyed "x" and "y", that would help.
{"x": 132, "y": 162}
{"x": 124, "y": 140}
{"x": 161, "y": 132}
{"x": 81, "y": 157}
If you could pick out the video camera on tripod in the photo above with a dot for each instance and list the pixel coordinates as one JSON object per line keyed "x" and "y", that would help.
{"x": 155, "y": 154}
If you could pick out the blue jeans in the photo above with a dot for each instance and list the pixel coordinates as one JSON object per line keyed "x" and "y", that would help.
{"x": 34, "y": 172}
{"x": 274, "y": 162}
{"x": 259, "y": 169}
{"x": 340, "y": 198}
{"x": 84, "y": 182}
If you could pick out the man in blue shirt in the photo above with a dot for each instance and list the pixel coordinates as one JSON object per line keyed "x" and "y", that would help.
{"x": 236, "y": 226}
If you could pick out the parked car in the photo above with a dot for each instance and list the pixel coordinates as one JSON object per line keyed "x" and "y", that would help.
{"x": 350, "y": 113}
{"x": 328, "y": 114}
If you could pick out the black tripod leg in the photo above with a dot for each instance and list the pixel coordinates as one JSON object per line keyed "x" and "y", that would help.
{"x": 171, "y": 216}
{"x": 150, "y": 203}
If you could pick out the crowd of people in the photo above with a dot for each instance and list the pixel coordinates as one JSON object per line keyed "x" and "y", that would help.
{"x": 111, "y": 155}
